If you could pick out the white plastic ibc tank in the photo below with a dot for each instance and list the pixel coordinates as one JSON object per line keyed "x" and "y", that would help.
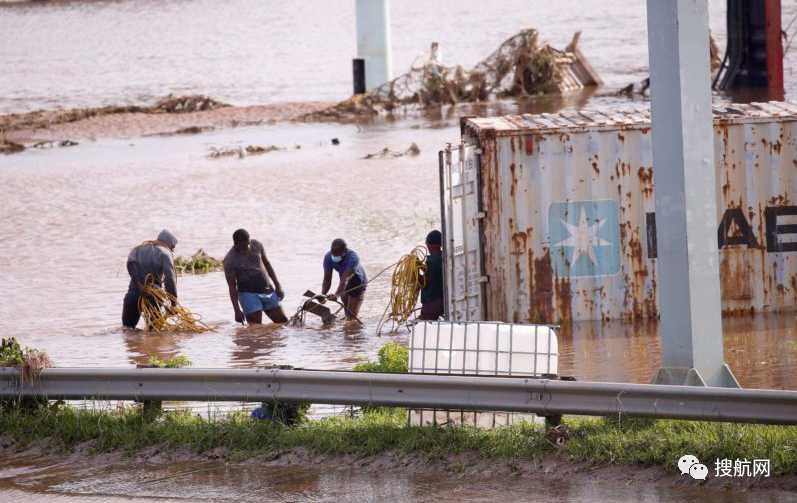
{"x": 483, "y": 348}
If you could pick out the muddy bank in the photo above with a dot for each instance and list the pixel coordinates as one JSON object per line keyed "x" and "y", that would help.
{"x": 134, "y": 121}
{"x": 465, "y": 465}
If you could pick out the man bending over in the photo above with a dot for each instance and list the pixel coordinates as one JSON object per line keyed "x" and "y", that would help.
{"x": 351, "y": 288}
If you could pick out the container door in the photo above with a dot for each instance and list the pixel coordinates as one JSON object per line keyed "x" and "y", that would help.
{"x": 459, "y": 170}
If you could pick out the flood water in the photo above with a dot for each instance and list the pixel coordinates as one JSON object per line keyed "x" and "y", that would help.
{"x": 48, "y": 482}
{"x": 70, "y": 215}
{"x": 67, "y": 54}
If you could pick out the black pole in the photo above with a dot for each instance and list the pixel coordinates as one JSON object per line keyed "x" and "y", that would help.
{"x": 358, "y": 69}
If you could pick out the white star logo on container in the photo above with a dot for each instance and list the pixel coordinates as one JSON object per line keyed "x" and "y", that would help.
{"x": 584, "y": 237}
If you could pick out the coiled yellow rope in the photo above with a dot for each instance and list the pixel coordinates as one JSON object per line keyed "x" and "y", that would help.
{"x": 406, "y": 284}
{"x": 162, "y": 311}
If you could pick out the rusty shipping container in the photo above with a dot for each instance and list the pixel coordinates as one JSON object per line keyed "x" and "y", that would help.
{"x": 550, "y": 218}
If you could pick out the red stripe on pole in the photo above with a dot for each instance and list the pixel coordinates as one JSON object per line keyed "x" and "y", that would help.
{"x": 774, "y": 50}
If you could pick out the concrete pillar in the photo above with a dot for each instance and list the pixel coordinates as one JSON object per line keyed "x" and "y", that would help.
{"x": 373, "y": 41}
{"x": 686, "y": 200}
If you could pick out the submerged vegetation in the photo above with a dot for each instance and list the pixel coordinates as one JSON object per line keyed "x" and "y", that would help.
{"x": 175, "y": 362}
{"x": 392, "y": 357}
{"x": 593, "y": 442}
{"x": 199, "y": 262}
{"x": 29, "y": 361}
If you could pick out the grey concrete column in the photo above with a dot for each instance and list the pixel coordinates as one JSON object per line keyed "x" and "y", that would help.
{"x": 686, "y": 200}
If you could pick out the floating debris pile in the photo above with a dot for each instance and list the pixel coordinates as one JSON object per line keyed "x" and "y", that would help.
{"x": 9, "y": 147}
{"x": 520, "y": 66}
{"x": 641, "y": 88}
{"x": 413, "y": 150}
{"x": 199, "y": 262}
{"x": 171, "y": 104}
{"x": 241, "y": 151}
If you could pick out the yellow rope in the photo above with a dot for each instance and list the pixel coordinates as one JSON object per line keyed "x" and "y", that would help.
{"x": 406, "y": 284}
{"x": 162, "y": 311}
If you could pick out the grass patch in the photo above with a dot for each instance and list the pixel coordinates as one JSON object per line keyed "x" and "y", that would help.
{"x": 595, "y": 441}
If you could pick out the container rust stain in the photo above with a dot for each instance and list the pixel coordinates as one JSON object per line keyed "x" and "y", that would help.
{"x": 542, "y": 290}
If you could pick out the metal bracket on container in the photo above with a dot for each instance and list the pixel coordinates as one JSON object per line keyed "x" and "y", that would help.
{"x": 481, "y": 215}
{"x": 463, "y": 121}
{"x": 484, "y": 279}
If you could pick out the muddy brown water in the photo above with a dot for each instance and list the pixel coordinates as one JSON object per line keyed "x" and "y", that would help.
{"x": 46, "y": 482}
{"x": 70, "y": 215}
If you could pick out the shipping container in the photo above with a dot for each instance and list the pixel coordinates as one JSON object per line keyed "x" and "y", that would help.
{"x": 551, "y": 218}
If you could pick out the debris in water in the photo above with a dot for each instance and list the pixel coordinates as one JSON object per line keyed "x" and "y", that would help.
{"x": 641, "y": 87}
{"x": 171, "y": 104}
{"x": 184, "y": 104}
{"x": 199, "y": 262}
{"x": 520, "y": 66}
{"x": 30, "y": 361}
{"x": 189, "y": 130}
{"x": 241, "y": 151}
{"x": 386, "y": 152}
{"x": 52, "y": 144}
{"x": 9, "y": 147}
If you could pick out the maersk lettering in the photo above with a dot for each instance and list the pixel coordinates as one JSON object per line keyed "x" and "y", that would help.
{"x": 734, "y": 230}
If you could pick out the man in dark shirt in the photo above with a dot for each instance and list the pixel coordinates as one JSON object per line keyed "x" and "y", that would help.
{"x": 151, "y": 259}
{"x": 432, "y": 306}
{"x": 351, "y": 288}
{"x": 249, "y": 277}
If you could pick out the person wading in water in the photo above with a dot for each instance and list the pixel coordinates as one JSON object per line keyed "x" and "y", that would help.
{"x": 249, "y": 277}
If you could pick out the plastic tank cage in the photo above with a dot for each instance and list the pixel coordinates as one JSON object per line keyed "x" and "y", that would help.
{"x": 480, "y": 348}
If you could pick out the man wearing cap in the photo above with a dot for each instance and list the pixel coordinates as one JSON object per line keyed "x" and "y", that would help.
{"x": 249, "y": 277}
{"x": 432, "y": 293}
{"x": 351, "y": 288}
{"x": 156, "y": 260}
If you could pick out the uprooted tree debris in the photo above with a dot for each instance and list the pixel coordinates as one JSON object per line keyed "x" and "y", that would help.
{"x": 643, "y": 85}
{"x": 168, "y": 105}
{"x": 413, "y": 150}
{"x": 519, "y": 67}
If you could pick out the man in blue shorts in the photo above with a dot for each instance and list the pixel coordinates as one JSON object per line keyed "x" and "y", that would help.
{"x": 249, "y": 277}
{"x": 351, "y": 288}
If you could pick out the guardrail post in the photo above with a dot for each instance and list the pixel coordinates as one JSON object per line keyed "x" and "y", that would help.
{"x": 150, "y": 409}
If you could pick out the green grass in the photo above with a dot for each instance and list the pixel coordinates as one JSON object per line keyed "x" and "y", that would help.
{"x": 594, "y": 441}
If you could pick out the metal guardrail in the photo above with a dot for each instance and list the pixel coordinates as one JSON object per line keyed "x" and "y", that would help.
{"x": 511, "y": 394}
